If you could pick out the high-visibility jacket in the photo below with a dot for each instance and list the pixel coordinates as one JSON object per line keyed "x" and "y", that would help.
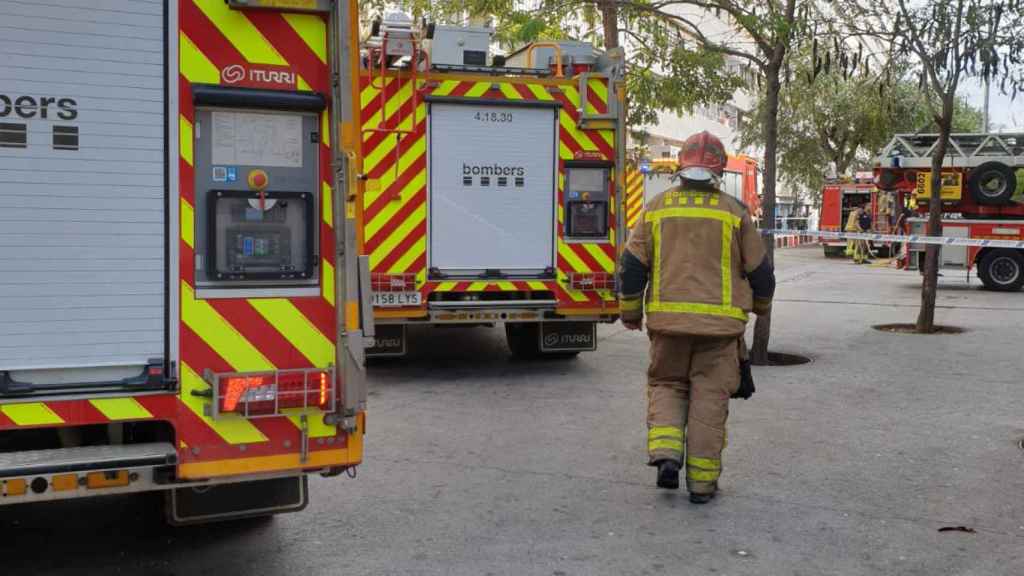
{"x": 853, "y": 221}
{"x": 705, "y": 263}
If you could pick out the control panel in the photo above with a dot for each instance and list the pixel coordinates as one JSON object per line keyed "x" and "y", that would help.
{"x": 587, "y": 196}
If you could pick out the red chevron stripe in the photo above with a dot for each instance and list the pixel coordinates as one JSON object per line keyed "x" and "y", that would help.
{"x": 187, "y": 263}
{"x": 414, "y": 203}
{"x": 461, "y": 89}
{"x": 407, "y": 140}
{"x": 320, "y": 314}
{"x": 524, "y": 91}
{"x": 599, "y": 105}
{"x": 292, "y": 47}
{"x": 415, "y": 235}
{"x": 588, "y": 260}
{"x": 207, "y": 37}
{"x": 395, "y": 117}
{"x": 260, "y": 333}
{"x": 391, "y": 193}
{"x": 81, "y": 412}
{"x": 185, "y": 98}
{"x": 418, "y": 265}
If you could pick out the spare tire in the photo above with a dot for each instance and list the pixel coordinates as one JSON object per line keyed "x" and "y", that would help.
{"x": 992, "y": 183}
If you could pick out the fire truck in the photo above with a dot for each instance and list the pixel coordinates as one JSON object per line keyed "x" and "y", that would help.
{"x": 840, "y": 197}
{"x": 982, "y": 198}
{"x": 490, "y": 187}
{"x": 180, "y": 312}
{"x": 739, "y": 181}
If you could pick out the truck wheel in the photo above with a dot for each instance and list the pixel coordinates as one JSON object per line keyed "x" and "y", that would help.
{"x": 523, "y": 339}
{"x": 1002, "y": 270}
{"x": 992, "y": 183}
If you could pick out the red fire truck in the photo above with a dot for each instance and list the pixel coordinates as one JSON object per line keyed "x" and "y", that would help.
{"x": 840, "y": 197}
{"x": 982, "y": 197}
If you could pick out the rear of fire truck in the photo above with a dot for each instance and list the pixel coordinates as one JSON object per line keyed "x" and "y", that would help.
{"x": 173, "y": 279}
{"x": 491, "y": 186}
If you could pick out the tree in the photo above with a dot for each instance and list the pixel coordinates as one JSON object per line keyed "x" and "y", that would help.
{"x": 949, "y": 41}
{"x": 842, "y": 120}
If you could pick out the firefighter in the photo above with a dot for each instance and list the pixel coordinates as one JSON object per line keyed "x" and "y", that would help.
{"x": 696, "y": 264}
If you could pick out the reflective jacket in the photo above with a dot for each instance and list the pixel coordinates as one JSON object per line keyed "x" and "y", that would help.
{"x": 704, "y": 261}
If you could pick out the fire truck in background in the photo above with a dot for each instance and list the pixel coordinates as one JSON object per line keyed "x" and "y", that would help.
{"x": 490, "y": 187}
{"x": 982, "y": 196}
{"x": 652, "y": 177}
{"x": 179, "y": 297}
{"x": 839, "y": 198}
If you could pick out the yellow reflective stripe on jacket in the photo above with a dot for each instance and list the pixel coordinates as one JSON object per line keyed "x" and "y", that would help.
{"x": 665, "y": 444}
{"x": 665, "y": 432}
{"x": 703, "y": 469}
{"x": 729, "y": 222}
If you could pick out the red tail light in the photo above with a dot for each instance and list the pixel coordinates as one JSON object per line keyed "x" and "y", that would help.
{"x": 264, "y": 394}
{"x": 592, "y": 281}
{"x": 393, "y": 282}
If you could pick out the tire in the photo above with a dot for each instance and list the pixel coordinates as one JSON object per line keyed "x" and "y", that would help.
{"x": 992, "y": 184}
{"x": 888, "y": 179}
{"x": 523, "y": 340}
{"x": 1002, "y": 270}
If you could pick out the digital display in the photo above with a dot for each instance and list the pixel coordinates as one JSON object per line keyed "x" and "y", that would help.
{"x": 269, "y": 238}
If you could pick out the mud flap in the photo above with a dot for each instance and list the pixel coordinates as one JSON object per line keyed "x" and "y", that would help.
{"x": 558, "y": 337}
{"x": 239, "y": 500}
{"x": 388, "y": 341}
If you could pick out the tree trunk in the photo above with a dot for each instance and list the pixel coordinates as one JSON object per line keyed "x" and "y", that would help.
{"x": 763, "y": 325}
{"x": 610, "y": 20}
{"x": 930, "y": 282}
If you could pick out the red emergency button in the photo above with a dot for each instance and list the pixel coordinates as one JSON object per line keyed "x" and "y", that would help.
{"x": 258, "y": 180}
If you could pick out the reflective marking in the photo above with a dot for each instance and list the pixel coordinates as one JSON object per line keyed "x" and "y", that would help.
{"x": 241, "y": 33}
{"x": 195, "y": 66}
{"x": 327, "y": 281}
{"x": 31, "y": 414}
{"x": 185, "y": 138}
{"x": 297, "y": 329}
{"x": 121, "y": 409}
{"x": 328, "y": 203}
{"x": 219, "y": 334}
{"x": 187, "y": 223}
{"x": 233, "y": 428}
{"x": 313, "y": 31}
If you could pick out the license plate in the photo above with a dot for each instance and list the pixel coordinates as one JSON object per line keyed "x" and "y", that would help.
{"x": 397, "y": 299}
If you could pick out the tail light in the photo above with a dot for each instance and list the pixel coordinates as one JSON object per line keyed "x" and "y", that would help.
{"x": 592, "y": 281}
{"x": 393, "y": 282}
{"x": 270, "y": 393}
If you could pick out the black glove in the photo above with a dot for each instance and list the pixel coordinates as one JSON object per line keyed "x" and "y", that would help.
{"x": 746, "y": 389}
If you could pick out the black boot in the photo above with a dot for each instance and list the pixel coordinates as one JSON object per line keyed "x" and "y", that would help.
{"x": 701, "y": 498}
{"x": 668, "y": 474}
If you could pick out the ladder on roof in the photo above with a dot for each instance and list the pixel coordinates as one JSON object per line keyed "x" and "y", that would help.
{"x": 965, "y": 150}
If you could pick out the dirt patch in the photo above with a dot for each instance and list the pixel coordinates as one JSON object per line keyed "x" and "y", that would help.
{"x": 783, "y": 359}
{"x": 912, "y": 329}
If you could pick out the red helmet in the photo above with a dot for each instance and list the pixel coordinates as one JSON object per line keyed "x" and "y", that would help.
{"x": 702, "y": 158}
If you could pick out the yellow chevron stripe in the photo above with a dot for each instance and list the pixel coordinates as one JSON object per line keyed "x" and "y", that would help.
{"x": 188, "y": 226}
{"x": 384, "y": 216}
{"x": 313, "y": 31}
{"x": 301, "y": 85}
{"x": 327, "y": 281}
{"x": 234, "y": 429}
{"x": 509, "y": 91}
{"x": 608, "y": 136}
{"x": 396, "y": 237}
{"x": 328, "y": 203}
{"x": 478, "y": 89}
{"x": 393, "y": 106}
{"x": 477, "y": 287}
{"x": 121, "y": 409}
{"x": 219, "y": 334}
{"x": 568, "y": 126}
{"x": 446, "y": 88}
{"x": 370, "y": 91}
{"x": 185, "y": 139}
{"x": 414, "y": 252}
{"x": 540, "y": 92}
{"x": 571, "y": 257}
{"x": 297, "y": 329}
{"x": 445, "y": 287}
{"x": 536, "y": 285}
{"x": 576, "y": 295}
{"x": 572, "y": 95}
{"x": 563, "y": 151}
{"x": 325, "y": 128}
{"x": 507, "y": 286}
{"x": 314, "y": 423}
{"x": 602, "y": 258}
{"x": 388, "y": 144}
{"x": 241, "y": 33}
{"x": 410, "y": 154}
{"x": 195, "y": 66}
{"x": 599, "y": 88}
{"x": 31, "y": 414}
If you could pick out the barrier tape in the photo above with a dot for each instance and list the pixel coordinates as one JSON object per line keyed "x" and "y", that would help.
{"x": 911, "y": 238}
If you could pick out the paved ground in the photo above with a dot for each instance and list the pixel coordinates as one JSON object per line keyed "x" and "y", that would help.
{"x": 477, "y": 465}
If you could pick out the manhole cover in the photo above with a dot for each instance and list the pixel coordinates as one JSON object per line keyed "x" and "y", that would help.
{"x": 912, "y": 329}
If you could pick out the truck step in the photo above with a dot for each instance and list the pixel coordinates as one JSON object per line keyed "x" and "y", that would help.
{"x": 87, "y": 458}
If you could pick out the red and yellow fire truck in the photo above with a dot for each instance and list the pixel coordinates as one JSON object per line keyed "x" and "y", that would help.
{"x": 491, "y": 186}
{"x": 982, "y": 196}
{"x": 839, "y": 198}
{"x": 739, "y": 181}
{"x": 179, "y": 311}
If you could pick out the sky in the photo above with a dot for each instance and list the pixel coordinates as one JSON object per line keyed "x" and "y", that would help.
{"x": 1006, "y": 115}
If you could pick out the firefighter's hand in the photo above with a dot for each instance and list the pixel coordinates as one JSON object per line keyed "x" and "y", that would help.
{"x": 637, "y": 324}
